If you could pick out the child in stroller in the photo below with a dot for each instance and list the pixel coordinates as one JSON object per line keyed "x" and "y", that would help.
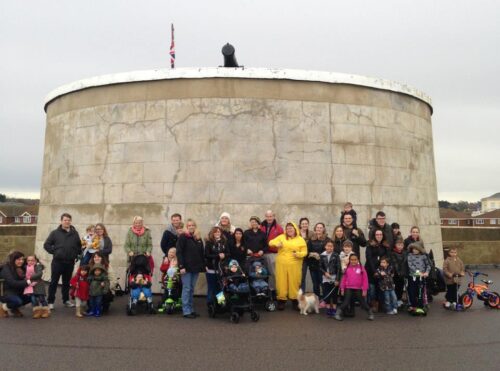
{"x": 139, "y": 282}
{"x": 171, "y": 284}
{"x": 259, "y": 283}
{"x": 236, "y": 281}
{"x": 258, "y": 272}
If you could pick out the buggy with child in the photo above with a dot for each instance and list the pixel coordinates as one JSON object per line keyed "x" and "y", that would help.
{"x": 235, "y": 296}
{"x": 258, "y": 276}
{"x": 138, "y": 285}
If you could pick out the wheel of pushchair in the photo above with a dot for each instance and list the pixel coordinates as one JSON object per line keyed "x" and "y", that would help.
{"x": 235, "y": 317}
{"x": 129, "y": 311}
{"x": 170, "y": 308}
{"x": 254, "y": 316}
{"x": 211, "y": 310}
{"x": 270, "y": 305}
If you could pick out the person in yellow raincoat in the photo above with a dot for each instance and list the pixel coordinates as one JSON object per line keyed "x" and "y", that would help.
{"x": 292, "y": 249}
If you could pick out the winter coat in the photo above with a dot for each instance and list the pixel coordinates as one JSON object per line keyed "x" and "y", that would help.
{"x": 289, "y": 247}
{"x": 314, "y": 246}
{"x": 139, "y": 244}
{"x": 330, "y": 264}
{"x": 271, "y": 233}
{"x": 212, "y": 251}
{"x": 237, "y": 252}
{"x": 451, "y": 267}
{"x": 386, "y": 230}
{"x": 80, "y": 287}
{"x": 14, "y": 284}
{"x": 169, "y": 239}
{"x": 39, "y": 288}
{"x": 190, "y": 253}
{"x": 385, "y": 282}
{"x": 357, "y": 241}
{"x": 255, "y": 241}
{"x": 96, "y": 289}
{"x": 355, "y": 278}
{"x": 105, "y": 245}
{"x": 337, "y": 245}
{"x": 134, "y": 285}
{"x": 64, "y": 245}
{"x": 253, "y": 271}
{"x": 374, "y": 251}
{"x": 399, "y": 262}
{"x": 418, "y": 262}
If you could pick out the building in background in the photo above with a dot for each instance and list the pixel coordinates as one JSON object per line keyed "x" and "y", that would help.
{"x": 453, "y": 218}
{"x": 490, "y": 219}
{"x": 16, "y": 213}
{"x": 490, "y": 203}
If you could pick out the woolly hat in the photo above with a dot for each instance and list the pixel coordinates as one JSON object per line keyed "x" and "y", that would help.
{"x": 233, "y": 262}
{"x": 256, "y": 218}
{"x": 418, "y": 245}
{"x": 257, "y": 263}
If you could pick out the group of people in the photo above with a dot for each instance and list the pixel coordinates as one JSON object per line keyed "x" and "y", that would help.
{"x": 284, "y": 254}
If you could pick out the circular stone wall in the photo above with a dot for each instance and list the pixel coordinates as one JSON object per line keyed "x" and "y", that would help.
{"x": 199, "y": 142}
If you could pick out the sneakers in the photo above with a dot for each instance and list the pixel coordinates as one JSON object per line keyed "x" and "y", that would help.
{"x": 338, "y": 315}
{"x": 447, "y": 304}
{"x": 330, "y": 312}
{"x": 69, "y": 304}
{"x": 391, "y": 312}
{"x": 51, "y": 306}
{"x": 371, "y": 317}
{"x": 322, "y": 304}
{"x": 400, "y": 303}
{"x": 394, "y": 311}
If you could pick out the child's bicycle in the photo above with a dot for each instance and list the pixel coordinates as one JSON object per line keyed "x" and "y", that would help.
{"x": 483, "y": 292}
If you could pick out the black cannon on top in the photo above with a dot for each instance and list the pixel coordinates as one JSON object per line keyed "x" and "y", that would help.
{"x": 229, "y": 56}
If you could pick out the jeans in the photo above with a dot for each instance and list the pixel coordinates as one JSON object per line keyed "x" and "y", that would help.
{"x": 60, "y": 269}
{"x": 95, "y": 303}
{"x": 259, "y": 285}
{"x": 213, "y": 287}
{"x": 316, "y": 278}
{"x": 16, "y": 301}
{"x": 390, "y": 300}
{"x": 136, "y": 293}
{"x": 38, "y": 300}
{"x": 372, "y": 292}
{"x": 188, "y": 283}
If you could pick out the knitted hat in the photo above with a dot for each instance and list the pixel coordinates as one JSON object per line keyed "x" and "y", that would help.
{"x": 233, "y": 262}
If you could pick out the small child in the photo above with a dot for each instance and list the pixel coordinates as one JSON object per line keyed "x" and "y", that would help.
{"x": 398, "y": 257}
{"x": 385, "y": 276}
{"x": 36, "y": 290}
{"x": 91, "y": 244}
{"x": 140, "y": 284}
{"x": 418, "y": 269}
{"x": 354, "y": 284}
{"x": 167, "y": 260}
{"x": 329, "y": 266}
{"x": 258, "y": 283}
{"x": 453, "y": 269}
{"x": 99, "y": 286}
{"x": 349, "y": 210}
{"x": 345, "y": 254}
{"x": 80, "y": 288}
{"x": 234, "y": 277}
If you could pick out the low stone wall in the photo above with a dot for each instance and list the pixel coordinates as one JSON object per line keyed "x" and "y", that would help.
{"x": 475, "y": 245}
{"x": 17, "y": 237}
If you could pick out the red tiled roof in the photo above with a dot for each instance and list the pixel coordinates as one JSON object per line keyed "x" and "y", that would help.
{"x": 492, "y": 214}
{"x": 452, "y": 214}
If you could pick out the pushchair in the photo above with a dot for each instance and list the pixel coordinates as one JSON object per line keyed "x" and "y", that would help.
{"x": 171, "y": 285}
{"x": 234, "y": 297}
{"x": 260, "y": 295}
{"x": 139, "y": 264}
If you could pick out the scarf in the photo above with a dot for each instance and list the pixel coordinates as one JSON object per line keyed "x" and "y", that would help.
{"x": 138, "y": 231}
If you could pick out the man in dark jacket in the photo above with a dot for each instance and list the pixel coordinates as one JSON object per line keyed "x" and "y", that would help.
{"x": 64, "y": 245}
{"x": 169, "y": 238}
{"x": 254, "y": 239}
{"x": 380, "y": 225}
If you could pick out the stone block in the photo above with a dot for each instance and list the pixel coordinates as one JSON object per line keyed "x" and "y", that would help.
{"x": 317, "y": 153}
{"x": 143, "y": 193}
{"x": 123, "y": 173}
{"x": 318, "y": 193}
{"x": 144, "y": 152}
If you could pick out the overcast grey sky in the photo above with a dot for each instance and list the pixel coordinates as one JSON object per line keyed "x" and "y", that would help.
{"x": 449, "y": 49}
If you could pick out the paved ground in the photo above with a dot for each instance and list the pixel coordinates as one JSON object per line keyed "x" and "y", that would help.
{"x": 282, "y": 340}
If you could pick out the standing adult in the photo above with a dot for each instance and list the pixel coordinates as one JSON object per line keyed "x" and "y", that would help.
{"x": 190, "y": 257}
{"x": 225, "y": 225}
{"x": 272, "y": 230}
{"x": 14, "y": 274}
{"x": 376, "y": 249}
{"x": 65, "y": 246}
{"x": 354, "y": 234}
{"x": 379, "y": 224}
{"x": 315, "y": 247}
{"x": 237, "y": 248}
{"x": 170, "y": 235}
{"x": 305, "y": 233}
{"x": 105, "y": 243}
{"x": 216, "y": 255}
{"x": 338, "y": 238}
{"x": 413, "y": 237}
{"x": 139, "y": 240}
{"x": 291, "y": 251}
{"x": 254, "y": 239}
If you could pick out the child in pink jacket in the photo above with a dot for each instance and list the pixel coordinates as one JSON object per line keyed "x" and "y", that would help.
{"x": 354, "y": 285}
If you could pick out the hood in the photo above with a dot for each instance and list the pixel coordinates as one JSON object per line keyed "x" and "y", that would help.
{"x": 256, "y": 263}
{"x": 297, "y": 232}
{"x": 418, "y": 246}
{"x": 98, "y": 266}
{"x": 233, "y": 262}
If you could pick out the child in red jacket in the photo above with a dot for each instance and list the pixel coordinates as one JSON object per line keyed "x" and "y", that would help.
{"x": 354, "y": 284}
{"x": 80, "y": 288}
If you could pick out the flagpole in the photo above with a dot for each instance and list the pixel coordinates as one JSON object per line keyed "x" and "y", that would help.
{"x": 172, "y": 47}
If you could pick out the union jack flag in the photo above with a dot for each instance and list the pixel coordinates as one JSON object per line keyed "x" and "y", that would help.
{"x": 172, "y": 49}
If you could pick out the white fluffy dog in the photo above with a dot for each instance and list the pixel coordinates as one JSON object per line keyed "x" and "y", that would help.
{"x": 308, "y": 302}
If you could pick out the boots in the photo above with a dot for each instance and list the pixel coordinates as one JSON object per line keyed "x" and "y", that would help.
{"x": 371, "y": 317}
{"x": 79, "y": 311}
{"x": 281, "y": 304}
{"x": 37, "y": 312}
{"x": 338, "y": 315}
{"x": 295, "y": 305}
{"x": 3, "y": 311}
{"x": 45, "y": 312}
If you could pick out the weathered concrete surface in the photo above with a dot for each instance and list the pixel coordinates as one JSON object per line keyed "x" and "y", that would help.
{"x": 443, "y": 340}
{"x": 203, "y": 146}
